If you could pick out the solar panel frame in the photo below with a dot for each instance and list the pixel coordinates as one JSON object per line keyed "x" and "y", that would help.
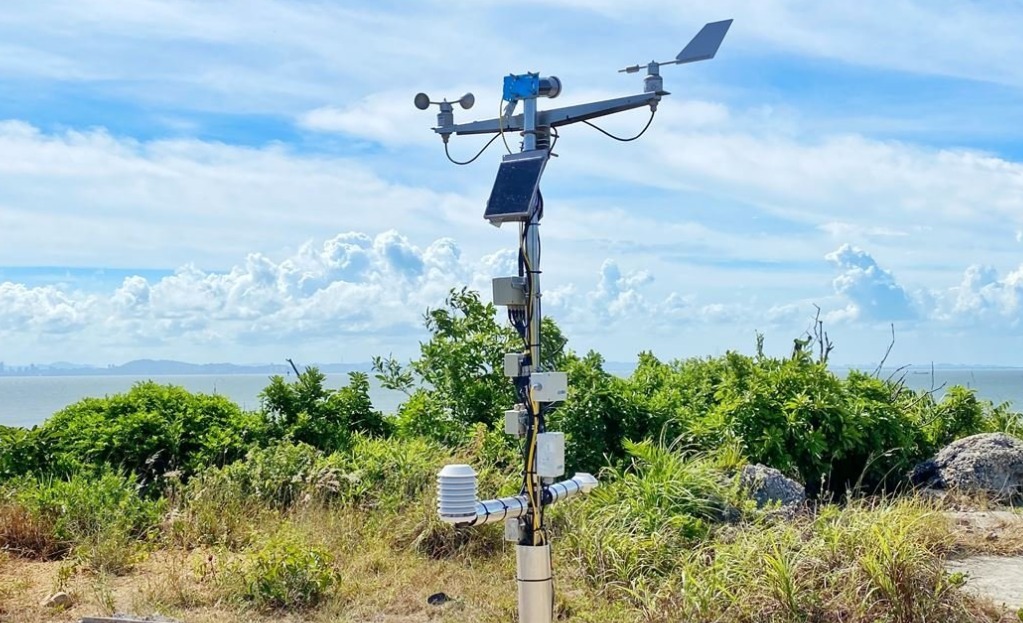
{"x": 515, "y": 187}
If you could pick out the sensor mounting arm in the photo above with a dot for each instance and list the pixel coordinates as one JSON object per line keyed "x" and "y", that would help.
{"x": 556, "y": 117}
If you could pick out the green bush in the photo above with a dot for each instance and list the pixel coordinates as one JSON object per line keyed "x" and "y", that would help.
{"x": 373, "y": 472}
{"x": 1003, "y": 420}
{"x": 276, "y": 476}
{"x": 390, "y": 473}
{"x": 19, "y": 452}
{"x": 599, "y": 417}
{"x": 149, "y": 431}
{"x": 959, "y": 414}
{"x": 307, "y": 412}
{"x": 285, "y": 572}
{"x": 423, "y": 415}
{"x": 48, "y": 517}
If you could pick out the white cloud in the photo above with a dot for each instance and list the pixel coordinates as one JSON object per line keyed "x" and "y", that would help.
{"x": 976, "y": 41}
{"x": 871, "y": 291}
{"x": 42, "y": 310}
{"x": 386, "y": 117}
{"x": 348, "y": 285}
{"x": 101, "y": 200}
{"x": 984, "y": 298}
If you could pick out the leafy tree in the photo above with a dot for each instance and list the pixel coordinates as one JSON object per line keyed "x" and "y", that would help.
{"x": 461, "y": 366}
{"x": 305, "y": 411}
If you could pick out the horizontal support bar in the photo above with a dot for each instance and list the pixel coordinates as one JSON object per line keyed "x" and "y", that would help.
{"x": 493, "y": 511}
{"x": 558, "y": 116}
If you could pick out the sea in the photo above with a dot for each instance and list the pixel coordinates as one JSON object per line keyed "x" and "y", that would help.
{"x": 29, "y": 400}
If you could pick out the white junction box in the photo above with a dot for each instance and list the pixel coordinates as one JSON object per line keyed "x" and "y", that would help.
{"x": 550, "y": 455}
{"x": 515, "y": 422}
{"x": 513, "y": 365}
{"x": 548, "y": 386}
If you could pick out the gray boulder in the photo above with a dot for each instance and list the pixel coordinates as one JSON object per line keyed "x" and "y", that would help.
{"x": 990, "y": 463}
{"x": 766, "y": 485}
{"x": 59, "y": 600}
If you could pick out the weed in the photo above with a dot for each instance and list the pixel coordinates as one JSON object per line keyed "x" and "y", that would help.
{"x": 49, "y": 517}
{"x": 285, "y": 572}
{"x": 62, "y": 576}
{"x": 103, "y": 595}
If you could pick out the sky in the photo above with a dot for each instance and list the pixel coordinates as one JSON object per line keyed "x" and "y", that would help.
{"x": 248, "y": 180}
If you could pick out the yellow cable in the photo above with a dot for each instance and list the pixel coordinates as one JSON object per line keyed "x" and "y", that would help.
{"x": 531, "y": 453}
{"x": 500, "y": 124}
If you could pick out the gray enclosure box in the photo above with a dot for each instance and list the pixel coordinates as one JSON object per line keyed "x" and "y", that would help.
{"x": 509, "y": 291}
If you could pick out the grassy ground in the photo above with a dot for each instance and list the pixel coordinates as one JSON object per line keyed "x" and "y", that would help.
{"x": 879, "y": 561}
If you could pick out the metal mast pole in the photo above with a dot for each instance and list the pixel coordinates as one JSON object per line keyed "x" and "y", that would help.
{"x": 533, "y": 553}
{"x": 516, "y": 198}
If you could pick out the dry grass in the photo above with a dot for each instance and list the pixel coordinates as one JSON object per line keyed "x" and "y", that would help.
{"x": 866, "y": 561}
{"x": 24, "y": 533}
{"x": 383, "y": 577}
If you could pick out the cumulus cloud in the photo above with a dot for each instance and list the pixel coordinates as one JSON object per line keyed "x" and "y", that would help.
{"x": 984, "y": 296}
{"x": 618, "y": 295}
{"x": 871, "y": 292}
{"x": 42, "y": 310}
{"x": 348, "y": 284}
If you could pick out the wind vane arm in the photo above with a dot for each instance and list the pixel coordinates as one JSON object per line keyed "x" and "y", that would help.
{"x": 556, "y": 117}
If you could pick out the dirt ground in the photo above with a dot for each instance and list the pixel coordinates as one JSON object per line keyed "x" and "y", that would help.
{"x": 170, "y": 584}
{"x": 993, "y": 565}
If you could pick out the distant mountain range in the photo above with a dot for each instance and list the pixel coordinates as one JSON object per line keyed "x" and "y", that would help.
{"x": 164, "y": 367}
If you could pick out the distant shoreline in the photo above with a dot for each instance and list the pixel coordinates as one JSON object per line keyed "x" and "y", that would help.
{"x": 152, "y": 367}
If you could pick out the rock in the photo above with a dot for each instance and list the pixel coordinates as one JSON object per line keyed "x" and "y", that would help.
{"x": 988, "y": 463}
{"x": 994, "y": 577}
{"x": 767, "y": 485}
{"x": 58, "y": 600}
{"x": 438, "y": 599}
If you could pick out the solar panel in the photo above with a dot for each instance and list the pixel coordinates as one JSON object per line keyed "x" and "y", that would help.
{"x": 514, "y": 190}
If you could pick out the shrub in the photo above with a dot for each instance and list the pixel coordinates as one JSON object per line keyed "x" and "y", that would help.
{"x": 50, "y": 518}
{"x": 423, "y": 415}
{"x": 284, "y": 572}
{"x": 276, "y": 476}
{"x": 19, "y": 452}
{"x": 306, "y": 412}
{"x": 959, "y": 414}
{"x": 1003, "y": 420}
{"x": 599, "y": 417}
{"x": 149, "y": 431}
{"x": 391, "y": 473}
{"x": 461, "y": 365}
{"x": 373, "y": 472}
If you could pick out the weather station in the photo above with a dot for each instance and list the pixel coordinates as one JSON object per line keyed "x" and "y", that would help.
{"x": 516, "y": 198}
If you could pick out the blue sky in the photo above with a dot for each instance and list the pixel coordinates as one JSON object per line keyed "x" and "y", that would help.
{"x": 249, "y": 181}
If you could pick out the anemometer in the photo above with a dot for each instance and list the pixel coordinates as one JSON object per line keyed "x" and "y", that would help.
{"x": 516, "y": 198}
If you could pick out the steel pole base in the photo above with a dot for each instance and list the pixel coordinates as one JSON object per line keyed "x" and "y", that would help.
{"x": 535, "y": 583}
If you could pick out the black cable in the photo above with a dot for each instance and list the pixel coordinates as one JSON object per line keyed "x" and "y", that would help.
{"x": 618, "y": 138}
{"x": 473, "y": 159}
{"x": 554, "y": 133}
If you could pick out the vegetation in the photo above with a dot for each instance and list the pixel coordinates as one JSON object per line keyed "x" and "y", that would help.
{"x": 319, "y": 502}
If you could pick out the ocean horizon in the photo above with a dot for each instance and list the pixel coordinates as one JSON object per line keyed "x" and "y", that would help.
{"x": 28, "y": 400}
